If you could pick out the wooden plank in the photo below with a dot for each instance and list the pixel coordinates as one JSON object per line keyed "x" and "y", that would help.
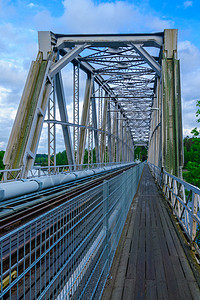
{"x": 140, "y": 268}
{"x": 183, "y": 287}
{"x": 151, "y": 290}
{"x": 131, "y": 269}
{"x": 119, "y": 280}
{"x": 152, "y": 212}
{"x": 143, "y": 213}
{"x": 171, "y": 278}
{"x": 129, "y": 287}
{"x": 159, "y": 266}
{"x": 162, "y": 290}
{"x": 148, "y": 212}
{"x": 150, "y": 267}
{"x": 166, "y": 225}
{"x": 194, "y": 289}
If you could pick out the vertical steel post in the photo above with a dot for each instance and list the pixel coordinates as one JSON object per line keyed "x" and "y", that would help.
{"x": 104, "y": 125}
{"x": 52, "y": 129}
{"x": 64, "y": 118}
{"x": 90, "y": 131}
{"x": 100, "y": 118}
{"x": 94, "y": 124}
{"x": 76, "y": 111}
{"x": 122, "y": 142}
{"x": 109, "y": 133}
{"x": 106, "y": 217}
{"x": 84, "y": 119}
{"x": 117, "y": 137}
{"x": 114, "y": 139}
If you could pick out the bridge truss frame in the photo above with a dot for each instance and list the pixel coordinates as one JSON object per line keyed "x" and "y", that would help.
{"x": 132, "y": 97}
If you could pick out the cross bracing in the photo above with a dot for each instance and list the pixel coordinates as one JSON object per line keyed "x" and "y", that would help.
{"x": 132, "y": 85}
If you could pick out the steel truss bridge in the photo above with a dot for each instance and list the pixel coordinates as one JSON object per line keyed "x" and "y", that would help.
{"x": 60, "y": 226}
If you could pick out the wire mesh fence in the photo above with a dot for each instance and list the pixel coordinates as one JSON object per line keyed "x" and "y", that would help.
{"x": 67, "y": 252}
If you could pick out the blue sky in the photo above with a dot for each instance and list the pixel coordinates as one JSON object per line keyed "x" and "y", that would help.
{"x": 20, "y": 21}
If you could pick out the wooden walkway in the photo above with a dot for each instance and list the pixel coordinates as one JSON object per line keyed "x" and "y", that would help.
{"x": 150, "y": 262}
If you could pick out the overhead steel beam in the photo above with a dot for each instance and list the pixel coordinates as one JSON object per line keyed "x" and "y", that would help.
{"x": 110, "y": 40}
{"x": 148, "y": 58}
{"x": 68, "y": 57}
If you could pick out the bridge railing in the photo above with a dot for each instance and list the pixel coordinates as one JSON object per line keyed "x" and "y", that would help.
{"x": 10, "y": 174}
{"x": 184, "y": 199}
{"x": 67, "y": 252}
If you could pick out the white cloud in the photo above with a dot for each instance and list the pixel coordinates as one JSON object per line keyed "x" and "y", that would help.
{"x": 31, "y": 5}
{"x": 190, "y": 74}
{"x": 85, "y": 16}
{"x": 187, "y": 4}
{"x": 190, "y": 70}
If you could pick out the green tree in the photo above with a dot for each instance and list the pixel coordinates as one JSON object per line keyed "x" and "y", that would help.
{"x": 193, "y": 173}
{"x": 192, "y": 154}
{"x": 141, "y": 153}
{"x": 1, "y": 160}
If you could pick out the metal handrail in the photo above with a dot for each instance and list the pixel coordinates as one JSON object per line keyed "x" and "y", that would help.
{"x": 184, "y": 199}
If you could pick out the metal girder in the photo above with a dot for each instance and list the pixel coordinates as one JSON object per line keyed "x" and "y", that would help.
{"x": 148, "y": 58}
{"x": 84, "y": 119}
{"x": 115, "y": 136}
{"x": 110, "y": 40}
{"x": 103, "y": 135}
{"x": 64, "y": 117}
{"x": 26, "y": 131}
{"x": 68, "y": 57}
{"x": 94, "y": 122}
{"x": 52, "y": 129}
{"x": 76, "y": 111}
{"x": 109, "y": 134}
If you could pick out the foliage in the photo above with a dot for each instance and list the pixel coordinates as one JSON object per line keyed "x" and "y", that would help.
{"x": 193, "y": 173}
{"x": 1, "y": 160}
{"x": 141, "y": 153}
{"x": 41, "y": 160}
{"x": 191, "y": 150}
{"x": 192, "y": 154}
{"x": 198, "y": 111}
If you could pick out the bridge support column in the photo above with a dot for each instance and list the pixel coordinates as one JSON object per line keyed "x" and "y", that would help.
{"x": 172, "y": 138}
